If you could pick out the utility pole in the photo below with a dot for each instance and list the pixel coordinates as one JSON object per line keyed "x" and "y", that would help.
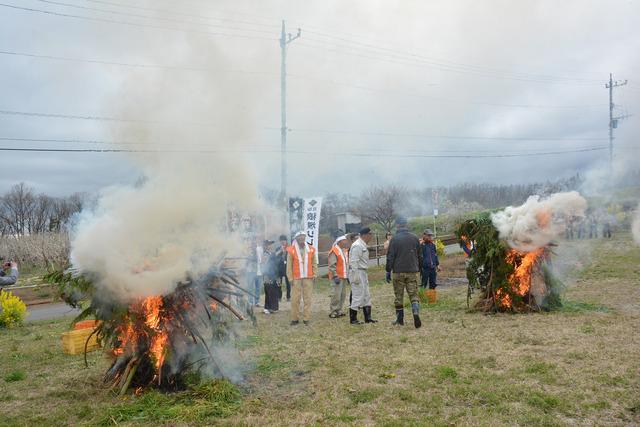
{"x": 285, "y": 39}
{"x": 613, "y": 121}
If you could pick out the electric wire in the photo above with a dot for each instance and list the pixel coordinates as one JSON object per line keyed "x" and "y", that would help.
{"x": 295, "y": 76}
{"x": 132, "y": 24}
{"x": 447, "y": 63}
{"x": 174, "y": 12}
{"x": 395, "y": 59}
{"x": 134, "y": 15}
{"x": 305, "y": 152}
{"x": 394, "y": 51}
{"x": 307, "y": 130}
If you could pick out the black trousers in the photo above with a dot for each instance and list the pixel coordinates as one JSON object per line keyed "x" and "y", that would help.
{"x": 271, "y": 295}
{"x": 286, "y": 281}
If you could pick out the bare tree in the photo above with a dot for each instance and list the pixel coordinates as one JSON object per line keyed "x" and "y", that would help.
{"x": 380, "y": 205}
{"x": 40, "y": 214}
{"x": 16, "y": 207}
{"x": 332, "y": 204}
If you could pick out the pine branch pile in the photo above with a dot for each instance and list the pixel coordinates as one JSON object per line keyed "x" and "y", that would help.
{"x": 159, "y": 340}
{"x": 507, "y": 280}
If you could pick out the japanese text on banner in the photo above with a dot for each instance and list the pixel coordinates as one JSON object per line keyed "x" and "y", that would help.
{"x": 311, "y": 219}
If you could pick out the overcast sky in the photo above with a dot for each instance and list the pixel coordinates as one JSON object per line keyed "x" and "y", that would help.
{"x": 378, "y": 91}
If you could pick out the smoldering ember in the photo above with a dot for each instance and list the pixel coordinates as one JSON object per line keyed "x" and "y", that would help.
{"x": 319, "y": 213}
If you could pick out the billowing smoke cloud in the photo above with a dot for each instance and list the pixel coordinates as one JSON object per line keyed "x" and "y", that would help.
{"x": 141, "y": 240}
{"x": 635, "y": 226}
{"x": 537, "y": 222}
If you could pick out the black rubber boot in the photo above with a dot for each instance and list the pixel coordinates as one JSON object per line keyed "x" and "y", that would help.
{"x": 353, "y": 316}
{"x": 399, "y": 317}
{"x": 367, "y": 315}
{"x": 415, "y": 308}
{"x": 416, "y": 321}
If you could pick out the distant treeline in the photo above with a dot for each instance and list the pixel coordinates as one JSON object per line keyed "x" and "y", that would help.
{"x": 23, "y": 212}
{"x": 381, "y": 204}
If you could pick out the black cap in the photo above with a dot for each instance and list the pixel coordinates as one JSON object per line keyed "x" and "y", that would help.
{"x": 365, "y": 230}
{"x": 267, "y": 242}
{"x": 283, "y": 237}
{"x": 401, "y": 220}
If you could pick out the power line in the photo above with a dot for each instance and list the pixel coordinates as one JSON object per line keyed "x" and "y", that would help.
{"x": 133, "y": 65}
{"x": 174, "y": 12}
{"x": 304, "y": 152}
{"x": 57, "y": 3}
{"x": 399, "y": 59}
{"x": 418, "y": 135}
{"x": 446, "y": 63}
{"x": 358, "y": 43}
{"x": 439, "y": 99}
{"x": 301, "y": 130}
{"x": 294, "y": 76}
{"x": 131, "y": 24}
{"x": 416, "y": 59}
{"x": 407, "y": 151}
{"x": 108, "y": 119}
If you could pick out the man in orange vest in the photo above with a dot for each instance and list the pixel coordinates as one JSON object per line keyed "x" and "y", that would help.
{"x": 302, "y": 269}
{"x": 338, "y": 272}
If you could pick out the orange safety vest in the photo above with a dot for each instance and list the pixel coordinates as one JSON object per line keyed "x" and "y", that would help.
{"x": 343, "y": 261}
{"x": 301, "y": 270}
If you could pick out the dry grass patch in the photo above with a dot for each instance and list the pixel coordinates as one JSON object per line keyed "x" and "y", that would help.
{"x": 576, "y": 366}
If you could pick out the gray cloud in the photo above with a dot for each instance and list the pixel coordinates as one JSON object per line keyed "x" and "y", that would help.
{"x": 477, "y": 53}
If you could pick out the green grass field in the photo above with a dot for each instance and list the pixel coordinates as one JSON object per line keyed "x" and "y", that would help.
{"x": 576, "y": 366}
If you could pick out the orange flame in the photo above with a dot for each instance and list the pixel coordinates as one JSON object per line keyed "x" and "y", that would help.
{"x": 150, "y": 311}
{"x": 520, "y": 279}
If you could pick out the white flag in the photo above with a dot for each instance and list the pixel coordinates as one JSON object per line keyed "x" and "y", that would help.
{"x": 311, "y": 220}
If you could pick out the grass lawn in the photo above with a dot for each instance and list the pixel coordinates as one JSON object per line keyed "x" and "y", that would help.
{"x": 580, "y": 365}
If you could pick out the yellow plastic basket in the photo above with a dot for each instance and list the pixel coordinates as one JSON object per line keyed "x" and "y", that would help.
{"x": 73, "y": 342}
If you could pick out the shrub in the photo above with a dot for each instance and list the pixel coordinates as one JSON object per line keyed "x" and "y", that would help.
{"x": 12, "y": 310}
{"x": 440, "y": 248}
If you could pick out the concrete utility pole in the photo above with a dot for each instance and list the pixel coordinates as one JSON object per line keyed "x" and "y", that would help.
{"x": 285, "y": 39}
{"x": 613, "y": 121}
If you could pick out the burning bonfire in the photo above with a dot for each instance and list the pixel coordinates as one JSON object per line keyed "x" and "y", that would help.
{"x": 509, "y": 253}
{"x": 158, "y": 340}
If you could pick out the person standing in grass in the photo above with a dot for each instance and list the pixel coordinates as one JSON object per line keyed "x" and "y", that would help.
{"x": 403, "y": 262}
{"x": 338, "y": 272}
{"x": 302, "y": 269}
{"x": 281, "y": 255}
{"x": 358, "y": 265}
{"x": 430, "y": 261}
{"x": 270, "y": 278}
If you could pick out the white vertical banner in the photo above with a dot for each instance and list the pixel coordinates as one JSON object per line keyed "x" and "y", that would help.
{"x": 311, "y": 220}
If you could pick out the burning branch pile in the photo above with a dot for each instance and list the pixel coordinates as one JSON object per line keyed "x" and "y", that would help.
{"x": 510, "y": 252}
{"x": 158, "y": 340}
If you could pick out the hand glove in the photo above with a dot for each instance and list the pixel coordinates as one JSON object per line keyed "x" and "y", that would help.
{"x": 388, "y": 277}
{"x": 336, "y": 280}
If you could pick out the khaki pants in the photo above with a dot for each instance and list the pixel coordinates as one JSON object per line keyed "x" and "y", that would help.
{"x": 360, "y": 296}
{"x": 408, "y": 281}
{"x": 301, "y": 288}
{"x": 338, "y": 295}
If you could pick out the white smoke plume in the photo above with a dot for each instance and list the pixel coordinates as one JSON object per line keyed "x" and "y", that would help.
{"x": 635, "y": 226}
{"x": 538, "y": 222}
{"x": 142, "y": 239}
